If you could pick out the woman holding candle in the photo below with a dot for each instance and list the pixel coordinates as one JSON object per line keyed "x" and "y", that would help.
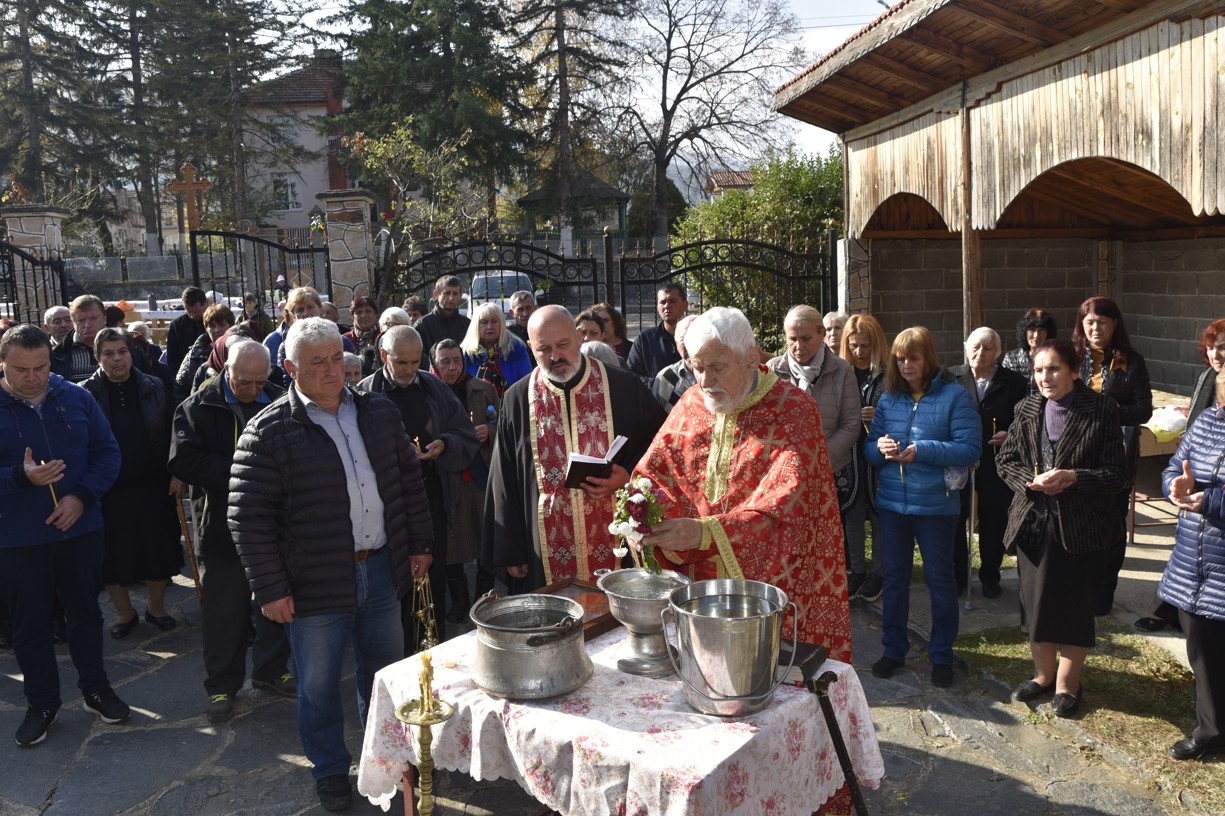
{"x": 923, "y": 438}
{"x": 1063, "y": 458}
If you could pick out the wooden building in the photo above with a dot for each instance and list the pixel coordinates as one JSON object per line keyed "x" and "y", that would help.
{"x": 1017, "y": 153}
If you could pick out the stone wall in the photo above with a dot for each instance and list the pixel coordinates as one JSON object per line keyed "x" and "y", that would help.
{"x": 1171, "y": 291}
{"x": 918, "y": 283}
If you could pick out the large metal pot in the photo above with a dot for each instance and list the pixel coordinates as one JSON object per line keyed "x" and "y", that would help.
{"x": 529, "y": 646}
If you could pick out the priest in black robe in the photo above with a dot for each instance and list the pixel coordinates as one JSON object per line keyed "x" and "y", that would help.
{"x": 536, "y": 530}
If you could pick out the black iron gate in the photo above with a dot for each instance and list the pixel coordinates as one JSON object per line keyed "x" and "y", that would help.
{"x": 493, "y": 271}
{"x": 762, "y": 280}
{"x": 232, "y": 263}
{"x": 29, "y": 285}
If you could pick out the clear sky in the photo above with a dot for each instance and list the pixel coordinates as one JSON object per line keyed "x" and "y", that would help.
{"x": 827, "y": 24}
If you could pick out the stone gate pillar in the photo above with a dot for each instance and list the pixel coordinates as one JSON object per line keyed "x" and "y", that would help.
{"x": 38, "y": 230}
{"x": 350, "y": 243}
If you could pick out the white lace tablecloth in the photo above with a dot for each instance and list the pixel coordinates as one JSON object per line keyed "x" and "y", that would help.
{"x": 623, "y": 744}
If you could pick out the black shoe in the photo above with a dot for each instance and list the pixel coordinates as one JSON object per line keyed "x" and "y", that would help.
{"x": 284, "y": 686}
{"x": 1189, "y": 748}
{"x": 220, "y": 708}
{"x": 886, "y": 666}
{"x": 942, "y": 675}
{"x": 33, "y": 728}
{"x": 991, "y": 590}
{"x": 335, "y": 792}
{"x": 1151, "y": 624}
{"x": 121, "y": 630}
{"x": 59, "y": 631}
{"x": 107, "y": 705}
{"x": 1064, "y": 704}
{"x": 163, "y": 622}
{"x": 853, "y": 582}
{"x": 1030, "y": 690}
{"x": 872, "y": 587}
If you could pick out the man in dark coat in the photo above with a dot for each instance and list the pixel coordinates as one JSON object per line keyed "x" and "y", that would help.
{"x": 438, "y": 424}
{"x": 206, "y": 429}
{"x": 655, "y": 348}
{"x": 331, "y": 522}
{"x": 445, "y": 319}
{"x": 996, "y": 391}
{"x": 184, "y": 329}
{"x": 569, "y": 404}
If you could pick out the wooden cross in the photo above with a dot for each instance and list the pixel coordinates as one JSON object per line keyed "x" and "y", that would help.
{"x": 188, "y": 187}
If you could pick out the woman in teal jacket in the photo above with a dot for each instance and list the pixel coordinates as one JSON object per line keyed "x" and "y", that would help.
{"x": 923, "y": 439}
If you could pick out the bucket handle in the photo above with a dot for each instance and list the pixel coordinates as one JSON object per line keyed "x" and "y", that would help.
{"x": 795, "y": 634}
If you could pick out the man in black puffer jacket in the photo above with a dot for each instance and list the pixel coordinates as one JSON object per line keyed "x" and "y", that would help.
{"x": 329, "y": 514}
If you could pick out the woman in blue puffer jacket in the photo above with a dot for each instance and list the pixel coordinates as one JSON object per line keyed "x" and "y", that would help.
{"x": 924, "y": 436}
{"x": 1194, "y": 579}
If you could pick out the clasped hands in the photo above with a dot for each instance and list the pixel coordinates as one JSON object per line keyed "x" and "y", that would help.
{"x": 1053, "y": 482}
{"x": 45, "y": 474}
{"x": 893, "y": 452}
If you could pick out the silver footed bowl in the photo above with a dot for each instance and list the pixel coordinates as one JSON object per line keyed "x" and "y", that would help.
{"x": 637, "y": 596}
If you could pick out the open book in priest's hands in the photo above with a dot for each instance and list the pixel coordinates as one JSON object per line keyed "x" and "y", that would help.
{"x": 579, "y": 466}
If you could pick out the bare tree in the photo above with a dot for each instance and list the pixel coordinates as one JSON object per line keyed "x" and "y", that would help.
{"x": 709, "y": 67}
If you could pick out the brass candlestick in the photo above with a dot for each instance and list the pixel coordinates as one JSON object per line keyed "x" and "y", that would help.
{"x": 425, "y": 712}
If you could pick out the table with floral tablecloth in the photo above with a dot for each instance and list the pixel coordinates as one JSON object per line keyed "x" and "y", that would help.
{"x": 622, "y": 743}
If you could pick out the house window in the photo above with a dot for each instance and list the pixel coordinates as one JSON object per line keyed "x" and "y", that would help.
{"x": 285, "y": 192}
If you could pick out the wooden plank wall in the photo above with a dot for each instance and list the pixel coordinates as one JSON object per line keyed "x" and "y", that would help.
{"x": 1155, "y": 98}
{"x": 922, "y": 156}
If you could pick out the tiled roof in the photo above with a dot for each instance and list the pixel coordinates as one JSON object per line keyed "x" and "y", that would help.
{"x": 724, "y": 179}
{"x": 833, "y": 52}
{"x": 307, "y": 85}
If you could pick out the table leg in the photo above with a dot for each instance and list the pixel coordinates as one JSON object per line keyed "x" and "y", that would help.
{"x": 410, "y": 782}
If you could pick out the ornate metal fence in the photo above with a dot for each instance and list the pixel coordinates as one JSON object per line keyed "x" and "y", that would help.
{"x": 489, "y": 269}
{"x": 29, "y": 284}
{"x": 763, "y": 280}
{"x": 234, "y": 262}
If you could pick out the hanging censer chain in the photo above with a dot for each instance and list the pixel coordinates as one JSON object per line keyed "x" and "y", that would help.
{"x": 423, "y": 611}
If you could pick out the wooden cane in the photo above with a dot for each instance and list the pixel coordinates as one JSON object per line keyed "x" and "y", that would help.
{"x": 191, "y": 548}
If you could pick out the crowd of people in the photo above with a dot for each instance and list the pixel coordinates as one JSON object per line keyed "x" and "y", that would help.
{"x": 332, "y": 468}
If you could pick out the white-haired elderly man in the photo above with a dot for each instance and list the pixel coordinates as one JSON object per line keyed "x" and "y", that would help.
{"x": 205, "y": 431}
{"x": 996, "y": 391}
{"x": 746, "y": 479}
{"x": 57, "y": 321}
{"x": 439, "y": 426}
{"x": 331, "y": 523}
{"x": 536, "y": 528}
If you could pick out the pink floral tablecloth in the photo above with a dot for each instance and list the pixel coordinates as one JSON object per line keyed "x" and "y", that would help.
{"x": 623, "y": 744}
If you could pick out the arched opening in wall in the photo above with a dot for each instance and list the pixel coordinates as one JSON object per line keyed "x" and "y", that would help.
{"x": 1105, "y": 198}
{"x": 906, "y": 215}
{"x": 914, "y": 271}
{"x": 1104, "y": 226}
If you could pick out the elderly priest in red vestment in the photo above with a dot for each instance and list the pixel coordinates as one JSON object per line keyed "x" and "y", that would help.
{"x": 747, "y": 485}
{"x": 536, "y": 529}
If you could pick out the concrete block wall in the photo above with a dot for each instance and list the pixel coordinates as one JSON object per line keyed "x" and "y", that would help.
{"x": 1169, "y": 292}
{"x": 919, "y": 283}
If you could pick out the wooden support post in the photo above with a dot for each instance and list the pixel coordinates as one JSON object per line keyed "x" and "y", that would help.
{"x": 971, "y": 239}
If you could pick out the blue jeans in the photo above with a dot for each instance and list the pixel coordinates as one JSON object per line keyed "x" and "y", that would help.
{"x": 30, "y": 580}
{"x": 318, "y": 645}
{"x": 935, "y": 537}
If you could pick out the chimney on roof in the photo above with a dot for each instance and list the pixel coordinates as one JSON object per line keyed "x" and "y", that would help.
{"x": 327, "y": 58}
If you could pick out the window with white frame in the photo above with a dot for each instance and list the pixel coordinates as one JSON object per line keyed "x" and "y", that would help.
{"x": 285, "y": 195}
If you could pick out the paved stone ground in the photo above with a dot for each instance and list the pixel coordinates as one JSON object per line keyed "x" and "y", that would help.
{"x": 964, "y": 751}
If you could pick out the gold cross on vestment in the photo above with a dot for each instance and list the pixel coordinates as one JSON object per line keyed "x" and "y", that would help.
{"x": 188, "y": 187}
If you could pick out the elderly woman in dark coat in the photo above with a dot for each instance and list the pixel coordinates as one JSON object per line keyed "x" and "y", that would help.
{"x": 1194, "y": 579}
{"x": 1063, "y": 458}
{"x": 138, "y": 515}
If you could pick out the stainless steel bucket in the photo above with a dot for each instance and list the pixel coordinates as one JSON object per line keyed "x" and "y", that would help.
{"x": 728, "y": 634}
{"x": 529, "y": 646}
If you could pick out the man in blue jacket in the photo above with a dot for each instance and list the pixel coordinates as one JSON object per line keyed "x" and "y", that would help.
{"x": 57, "y": 458}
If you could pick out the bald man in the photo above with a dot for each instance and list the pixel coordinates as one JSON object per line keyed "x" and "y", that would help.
{"x": 536, "y": 529}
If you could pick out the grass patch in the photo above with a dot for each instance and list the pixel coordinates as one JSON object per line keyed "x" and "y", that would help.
{"x": 1139, "y": 700}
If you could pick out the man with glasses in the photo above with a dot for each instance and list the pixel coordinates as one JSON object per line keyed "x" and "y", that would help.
{"x": 206, "y": 429}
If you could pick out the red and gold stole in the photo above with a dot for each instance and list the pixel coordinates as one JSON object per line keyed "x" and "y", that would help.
{"x": 574, "y": 537}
